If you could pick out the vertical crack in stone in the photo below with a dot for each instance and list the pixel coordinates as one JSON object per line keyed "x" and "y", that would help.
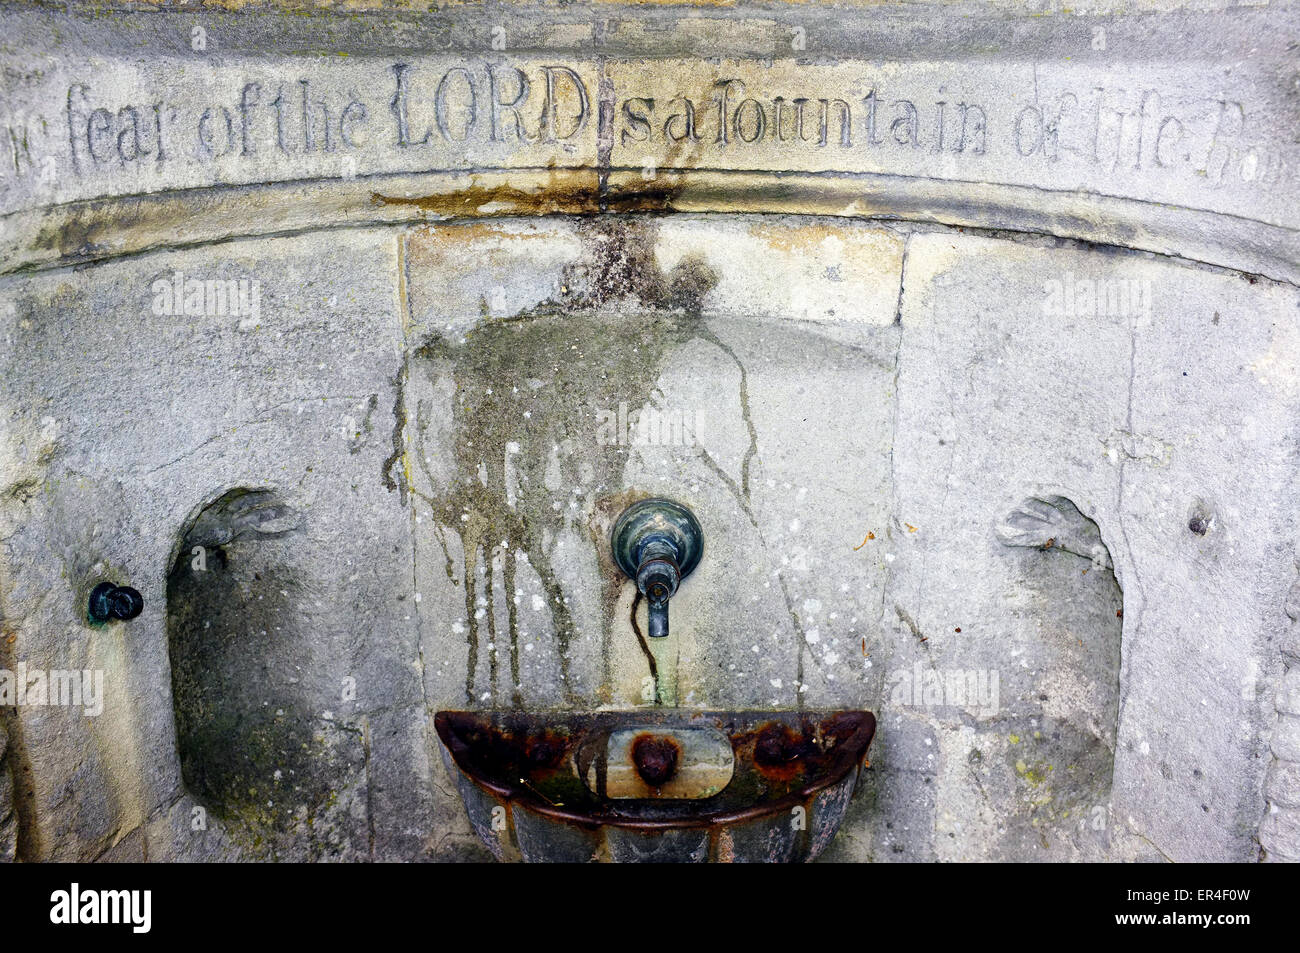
{"x": 741, "y": 495}
{"x": 883, "y": 625}
{"x": 1132, "y": 620}
{"x": 902, "y": 283}
{"x": 400, "y": 382}
{"x": 401, "y": 440}
{"x": 399, "y": 447}
{"x": 751, "y": 451}
{"x": 605, "y": 103}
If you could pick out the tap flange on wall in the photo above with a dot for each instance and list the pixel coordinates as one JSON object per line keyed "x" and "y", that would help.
{"x": 658, "y": 543}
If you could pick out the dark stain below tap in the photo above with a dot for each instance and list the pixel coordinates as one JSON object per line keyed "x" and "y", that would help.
{"x": 530, "y": 463}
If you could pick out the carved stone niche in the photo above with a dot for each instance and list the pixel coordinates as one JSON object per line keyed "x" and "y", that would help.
{"x": 980, "y": 369}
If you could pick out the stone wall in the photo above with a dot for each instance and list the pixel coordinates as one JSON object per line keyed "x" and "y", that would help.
{"x": 972, "y": 341}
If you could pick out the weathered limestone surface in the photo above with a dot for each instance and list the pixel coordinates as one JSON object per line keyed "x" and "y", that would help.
{"x": 124, "y": 424}
{"x": 985, "y": 397}
{"x": 1167, "y": 428}
{"x": 1106, "y": 127}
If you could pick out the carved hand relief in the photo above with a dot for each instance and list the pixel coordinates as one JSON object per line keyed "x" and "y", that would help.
{"x": 1053, "y": 522}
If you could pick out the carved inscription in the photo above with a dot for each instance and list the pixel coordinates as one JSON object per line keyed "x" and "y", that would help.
{"x": 235, "y": 126}
{"x": 731, "y": 118}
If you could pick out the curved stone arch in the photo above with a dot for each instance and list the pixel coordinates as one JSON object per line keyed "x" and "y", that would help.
{"x": 114, "y": 226}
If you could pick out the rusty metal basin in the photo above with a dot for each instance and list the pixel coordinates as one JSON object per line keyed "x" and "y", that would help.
{"x": 539, "y": 786}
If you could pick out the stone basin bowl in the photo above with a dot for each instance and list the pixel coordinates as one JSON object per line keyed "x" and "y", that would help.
{"x": 670, "y": 785}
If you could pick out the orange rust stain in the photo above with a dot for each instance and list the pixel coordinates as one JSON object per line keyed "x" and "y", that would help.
{"x": 726, "y": 847}
{"x": 799, "y": 239}
{"x": 869, "y": 536}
